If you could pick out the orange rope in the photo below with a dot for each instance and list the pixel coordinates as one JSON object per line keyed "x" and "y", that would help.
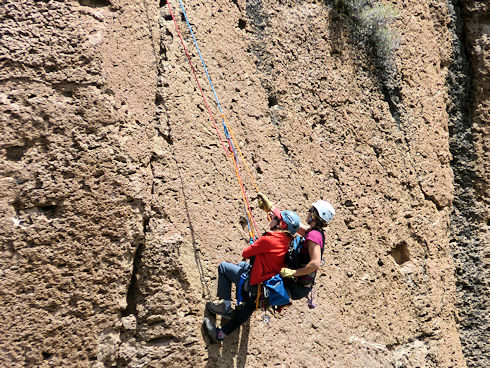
{"x": 230, "y": 151}
{"x": 241, "y": 155}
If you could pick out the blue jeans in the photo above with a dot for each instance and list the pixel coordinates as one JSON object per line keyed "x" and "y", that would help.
{"x": 229, "y": 273}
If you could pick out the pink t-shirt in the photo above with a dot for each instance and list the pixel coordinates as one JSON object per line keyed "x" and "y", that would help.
{"x": 315, "y": 236}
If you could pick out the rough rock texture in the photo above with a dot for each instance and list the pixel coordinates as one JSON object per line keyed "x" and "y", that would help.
{"x": 75, "y": 169}
{"x": 118, "y": 201}
{"x": 470, "y": 147}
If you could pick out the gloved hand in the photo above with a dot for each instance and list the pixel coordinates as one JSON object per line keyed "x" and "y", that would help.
{"x": 264, "y": 202}
{"x": 287, "y": 273}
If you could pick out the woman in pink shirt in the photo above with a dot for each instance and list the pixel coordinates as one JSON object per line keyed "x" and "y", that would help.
{"x": 300, "y": 281}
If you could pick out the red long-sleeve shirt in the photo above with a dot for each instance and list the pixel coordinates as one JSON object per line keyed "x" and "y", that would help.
{"x": 269, "y": 251}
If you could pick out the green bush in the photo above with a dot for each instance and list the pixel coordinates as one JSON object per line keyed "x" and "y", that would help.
{"x": 371, "y": 25}
{"x": 377, "y": 21}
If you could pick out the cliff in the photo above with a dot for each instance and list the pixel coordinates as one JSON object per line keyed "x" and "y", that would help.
{"x": 118, "y": 202}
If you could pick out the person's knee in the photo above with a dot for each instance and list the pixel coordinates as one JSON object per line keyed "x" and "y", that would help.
{"x": 222, "y": 267}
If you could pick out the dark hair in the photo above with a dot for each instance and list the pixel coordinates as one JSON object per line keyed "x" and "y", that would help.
{"x": 319, "y": 223}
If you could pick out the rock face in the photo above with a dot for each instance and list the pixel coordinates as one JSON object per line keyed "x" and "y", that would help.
{"x": 118, "y": 201}
{"x": 470, "y": 147}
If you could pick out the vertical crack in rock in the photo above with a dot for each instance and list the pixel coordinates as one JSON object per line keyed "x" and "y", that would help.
{"x": 466, "y": 222}
{"x": 258, "y": 19}
{"x": 160, "y": 108}
{"x": 129, "y": 334}
{"x": 258, "y": 23}
{"x": 133, "y": 294}
{"x": 152, "y": 322}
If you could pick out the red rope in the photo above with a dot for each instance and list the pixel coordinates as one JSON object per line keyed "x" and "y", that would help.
{"x": 197, "y": 80}
{"x": 230, "y": 151}
{"x": 244, "y": 196}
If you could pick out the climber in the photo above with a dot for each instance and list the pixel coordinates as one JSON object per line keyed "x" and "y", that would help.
{"x": 267, "y": 256}
{"x": 299, "y": 281}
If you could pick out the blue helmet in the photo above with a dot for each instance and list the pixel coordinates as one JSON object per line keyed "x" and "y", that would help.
{"x": 291, "y": 219}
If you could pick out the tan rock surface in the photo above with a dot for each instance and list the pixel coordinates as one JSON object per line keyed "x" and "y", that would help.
{"x": 118, "y": 202}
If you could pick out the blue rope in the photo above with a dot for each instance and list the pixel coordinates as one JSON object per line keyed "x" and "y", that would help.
{"x": 227, "y": 134}
{"x": 205, "y": 69}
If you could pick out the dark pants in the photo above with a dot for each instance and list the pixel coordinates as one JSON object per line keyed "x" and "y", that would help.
{"x": 296, "y": 290}
{"x": 243, "y": 314}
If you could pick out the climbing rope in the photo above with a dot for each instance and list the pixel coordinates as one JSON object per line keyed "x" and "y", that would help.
{"x": 195, "y": 77}
{"x": 231, "y": 151}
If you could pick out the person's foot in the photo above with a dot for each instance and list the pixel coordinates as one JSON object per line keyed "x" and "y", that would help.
{"x": 219, "y": 308}
{"x": 212, "y": 331}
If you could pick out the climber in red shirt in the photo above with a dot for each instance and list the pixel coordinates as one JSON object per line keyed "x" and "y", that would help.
{"x": 267, "y": 257}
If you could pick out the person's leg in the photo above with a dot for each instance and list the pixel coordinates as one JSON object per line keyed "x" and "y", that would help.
{"x": 219, "y": 334}
{"x": 242, "y": 315}
{"x": 228, "y": 273}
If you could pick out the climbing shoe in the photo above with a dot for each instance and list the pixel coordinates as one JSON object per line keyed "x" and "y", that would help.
{"x": 211, "y": 330}
{"x": 219, "y": 308}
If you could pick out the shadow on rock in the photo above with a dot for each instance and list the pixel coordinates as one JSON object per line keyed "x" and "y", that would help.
{"x": 232, "y": 352}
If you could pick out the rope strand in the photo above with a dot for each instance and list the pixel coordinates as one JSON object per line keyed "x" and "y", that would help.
{"x": 231, "y": 139}
{"x": 197, "y": 80}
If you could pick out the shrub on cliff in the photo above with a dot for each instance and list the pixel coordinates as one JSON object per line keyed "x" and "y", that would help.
{"x": 376, "y": 22}
{"x": 371, "y": 26}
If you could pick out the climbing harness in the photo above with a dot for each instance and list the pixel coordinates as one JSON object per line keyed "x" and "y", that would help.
{"x": 233, "y": 147}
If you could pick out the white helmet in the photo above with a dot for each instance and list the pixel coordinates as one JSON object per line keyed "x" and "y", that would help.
{"x": 325, "y": 210}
